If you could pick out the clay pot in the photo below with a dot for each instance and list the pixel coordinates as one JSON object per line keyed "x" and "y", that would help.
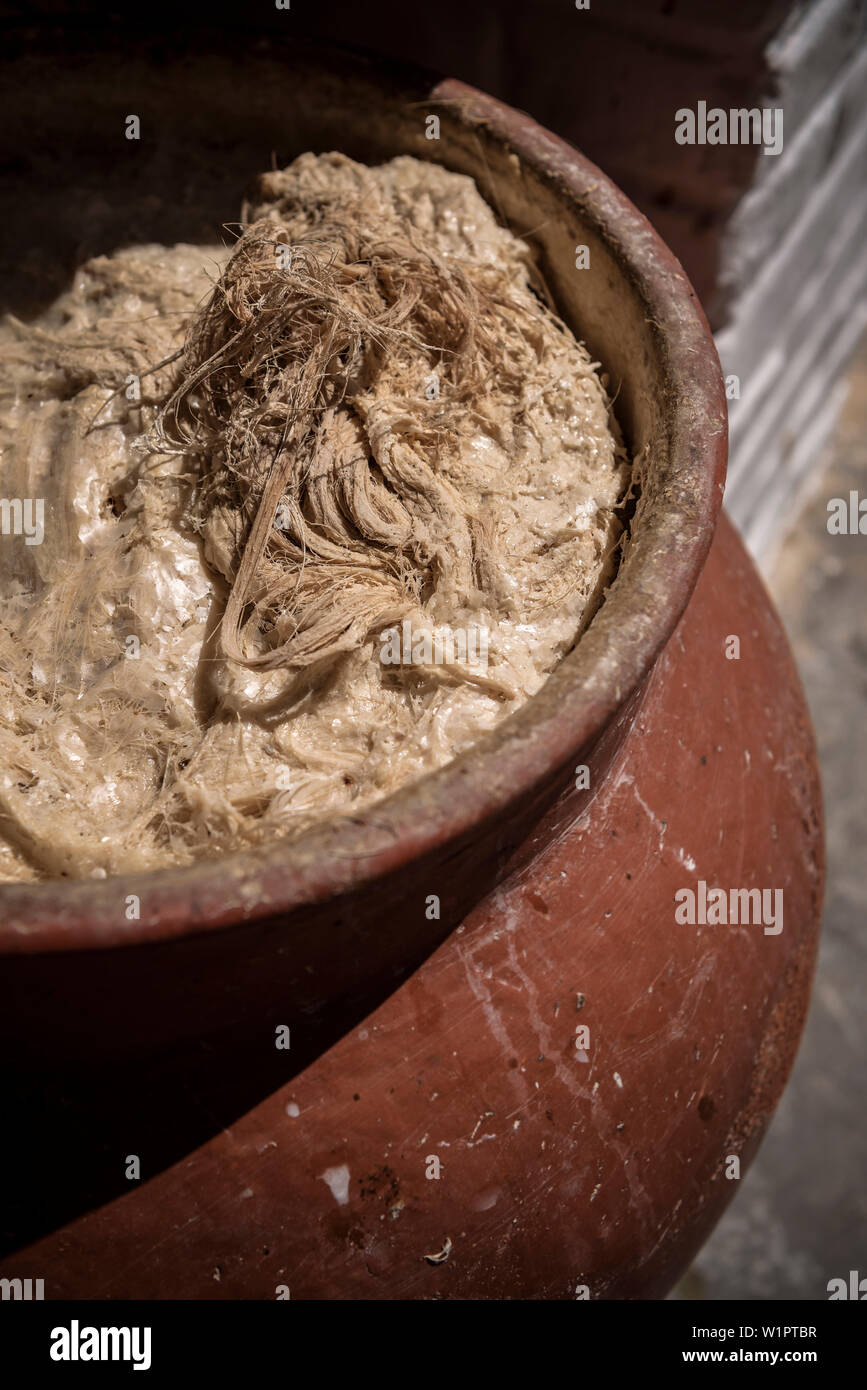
{"x": 417, "y": 1039}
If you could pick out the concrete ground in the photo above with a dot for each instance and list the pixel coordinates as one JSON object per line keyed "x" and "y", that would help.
{"x": 801, "y": 1217}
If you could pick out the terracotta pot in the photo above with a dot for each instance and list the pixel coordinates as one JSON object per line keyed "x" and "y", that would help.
{"x": 415, "y": 1039}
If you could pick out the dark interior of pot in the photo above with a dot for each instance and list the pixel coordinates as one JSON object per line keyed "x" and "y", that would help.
{"x": 75, "y": 187}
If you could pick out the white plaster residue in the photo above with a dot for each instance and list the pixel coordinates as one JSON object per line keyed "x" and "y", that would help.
{"x": 473, "y": 1141}
{"x": 293, "y": 1109}
{"x": 338, "y": 1180}
{"x": 618, "y": 1080}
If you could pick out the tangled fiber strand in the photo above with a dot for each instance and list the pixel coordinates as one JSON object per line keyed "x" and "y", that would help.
{"x": 284, "y": 397}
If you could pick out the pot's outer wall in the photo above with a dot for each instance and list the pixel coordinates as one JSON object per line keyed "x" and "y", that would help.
{"x": 556, "y": 1172}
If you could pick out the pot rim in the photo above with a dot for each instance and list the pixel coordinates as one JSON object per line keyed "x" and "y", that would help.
{"x": 581, "y": 696}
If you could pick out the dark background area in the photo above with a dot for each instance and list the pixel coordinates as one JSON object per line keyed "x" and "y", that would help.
{"x": 608, "y": 79}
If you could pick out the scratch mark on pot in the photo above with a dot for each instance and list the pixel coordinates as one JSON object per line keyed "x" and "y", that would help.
{"x": 580, "y": 1092}
{"x": 626, "y": 778}
{"x": 484, "y": 997}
